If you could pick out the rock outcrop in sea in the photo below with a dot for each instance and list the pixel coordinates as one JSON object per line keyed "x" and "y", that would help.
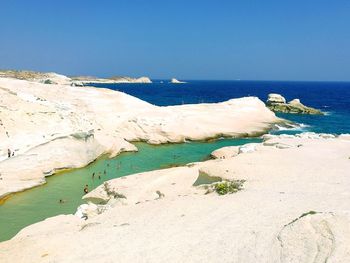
{"x": 277, "y": 103}
{"x": 175, "y": 81}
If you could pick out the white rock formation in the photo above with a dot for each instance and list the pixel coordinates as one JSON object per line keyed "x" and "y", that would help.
{"x": 175, "y": 81}
{"x": 143, "y": 80}
{"x": 277, "y": 103}
{"x": 294, "y": 208}
{"x": 49, "y": 128}
{"x": 248, "y": 148}
{"x": 54, "y": 78}
{"x": 113, "y": 80}
{"x": 295, "y": 101}
{"x": 41, "y": 77}
{"x": 315, "y": 237}
{"x": 275, "y": 98}
{"x": 225, "y": 152}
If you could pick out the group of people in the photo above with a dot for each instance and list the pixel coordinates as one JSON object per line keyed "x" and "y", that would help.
{"x": 99, "y": 175}
{"x": 86, "y": 187}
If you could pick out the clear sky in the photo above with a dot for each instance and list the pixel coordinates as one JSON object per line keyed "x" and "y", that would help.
{"x": 186, "y": 39}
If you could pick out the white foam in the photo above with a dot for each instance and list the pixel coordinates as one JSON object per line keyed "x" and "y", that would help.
{"x": 293, "y": 127}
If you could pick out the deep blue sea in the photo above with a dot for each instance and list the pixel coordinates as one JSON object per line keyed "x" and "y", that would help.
{"x": 331, "y": 97}
{"x": 24, "y": 209}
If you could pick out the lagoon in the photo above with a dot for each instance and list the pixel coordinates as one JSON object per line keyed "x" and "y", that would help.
{"x": 41, "y": 202}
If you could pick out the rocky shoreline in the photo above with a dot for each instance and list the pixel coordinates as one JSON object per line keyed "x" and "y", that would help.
{"x": 54, "y": 78}
{"x": 283, "y": 200}
{"x": 67, "y": 127}
{"x": 112, "y": 80}
{"x": 279, "y": 213}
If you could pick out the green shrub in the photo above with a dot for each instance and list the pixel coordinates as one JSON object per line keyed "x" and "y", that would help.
{"x": 111, "y": 192}
{"x": 48, "y": 81}
{"x": 228, "y": 187}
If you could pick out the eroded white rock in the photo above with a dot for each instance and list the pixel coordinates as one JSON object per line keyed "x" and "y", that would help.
{"x": 275, "y": 98}
{"x": 225, "y": 152}
{"x": 65, "y": 127}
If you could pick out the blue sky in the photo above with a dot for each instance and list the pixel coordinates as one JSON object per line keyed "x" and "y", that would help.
{"x": 255, "y": 40}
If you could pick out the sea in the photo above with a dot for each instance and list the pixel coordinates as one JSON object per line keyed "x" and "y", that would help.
{"x": 41, "y": 202}
{"x": 333, "y": 98}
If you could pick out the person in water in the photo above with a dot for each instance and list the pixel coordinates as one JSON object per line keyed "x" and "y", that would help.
{"x": 93, "y": 175}
{"x": 62, "y": 201}
{"x": 86, "y": 189}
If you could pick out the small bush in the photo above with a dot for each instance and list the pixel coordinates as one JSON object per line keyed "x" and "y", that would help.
{"x": 111, "y": 192}
{"x": 48, "y": 81}
{"x": 228, "y": 187}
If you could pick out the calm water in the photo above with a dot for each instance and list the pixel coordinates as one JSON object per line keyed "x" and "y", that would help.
{"x": 331, "y": 97}
{"x": 39, "y": 203}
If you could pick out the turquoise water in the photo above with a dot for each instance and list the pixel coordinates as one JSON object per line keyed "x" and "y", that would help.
{"x": 36, "y": 204}
{"x": 39, "y": 203}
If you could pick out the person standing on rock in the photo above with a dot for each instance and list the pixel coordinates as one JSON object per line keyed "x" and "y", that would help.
{"x": 9, "y": 153}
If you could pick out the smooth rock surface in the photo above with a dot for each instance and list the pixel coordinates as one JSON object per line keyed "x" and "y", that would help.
{"x": 54, "y": 127}
{"x": 225, "y": 152}
{"x": 114, "y": 80}
{"x": 275, "y": 98}
{"x": 294, "y": 208}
